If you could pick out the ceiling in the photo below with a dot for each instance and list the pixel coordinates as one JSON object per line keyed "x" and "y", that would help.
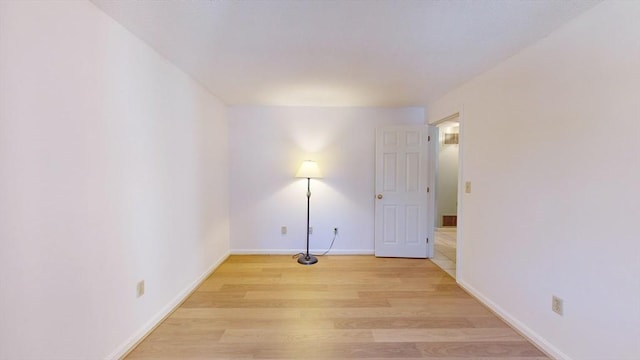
{"x": 338, "y": 52}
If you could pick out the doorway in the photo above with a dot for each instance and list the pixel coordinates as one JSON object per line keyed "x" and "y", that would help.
{"x": 447, "y": 175}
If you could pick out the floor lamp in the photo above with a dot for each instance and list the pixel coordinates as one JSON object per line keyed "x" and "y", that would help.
{"x": 308, "y": 169}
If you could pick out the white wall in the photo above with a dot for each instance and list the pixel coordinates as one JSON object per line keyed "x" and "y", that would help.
{"x": 551, "y": 148}
{"x": 267, "y": 145}
{"x": 447, "y": 176}
{"x": 113, "y": 169}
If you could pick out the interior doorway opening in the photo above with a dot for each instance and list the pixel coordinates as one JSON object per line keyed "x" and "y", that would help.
{"x": 447, "y": 167}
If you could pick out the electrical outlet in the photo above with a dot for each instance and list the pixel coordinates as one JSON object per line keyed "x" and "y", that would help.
{"x": 283, "y": 230}
{"x": 335, "y": 231}
{"x": 310, "y": 230}
{"x": 467, "y": 187}
{"x": 557, "y": 305}
{"x": 140, "y": 288}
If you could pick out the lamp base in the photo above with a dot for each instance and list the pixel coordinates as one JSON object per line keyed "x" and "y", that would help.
{"x": 307, "y": 259}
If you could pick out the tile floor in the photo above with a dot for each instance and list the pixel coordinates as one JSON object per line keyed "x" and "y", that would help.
{"x": 445, "y": 250}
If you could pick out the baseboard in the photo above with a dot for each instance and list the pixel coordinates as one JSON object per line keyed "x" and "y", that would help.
{"x": 296, "y": 251}
{"x": 535, "y": 338}
{"x": 124, "y": 349}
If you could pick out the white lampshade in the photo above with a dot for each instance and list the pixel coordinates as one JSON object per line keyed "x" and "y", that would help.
{"x": 309, "y": 169}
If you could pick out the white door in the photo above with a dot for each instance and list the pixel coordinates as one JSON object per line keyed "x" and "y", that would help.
{"x": 402, "y": 174}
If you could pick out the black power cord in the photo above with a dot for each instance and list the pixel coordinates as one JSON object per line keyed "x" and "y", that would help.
{"x": 335, "y": 235}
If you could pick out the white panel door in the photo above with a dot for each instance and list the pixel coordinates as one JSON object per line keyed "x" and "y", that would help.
{"x": 401, "y": 211}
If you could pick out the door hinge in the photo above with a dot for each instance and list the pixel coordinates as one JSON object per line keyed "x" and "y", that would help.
{"x": 427, "y": 240}
{"x": 428, "y": 189}
{"x": 428, "y": 137}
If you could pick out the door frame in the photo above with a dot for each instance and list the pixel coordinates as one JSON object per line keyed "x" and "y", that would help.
{"x": 461, "y": 180}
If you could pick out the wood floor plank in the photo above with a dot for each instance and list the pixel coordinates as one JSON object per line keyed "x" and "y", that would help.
{"x": 399, "y": 294}
{"x": 237, "y": 313}
{"x": 247, "y": 274}
{"x": 399, "y": 286}
{"x": 344, "y": 307}
{"x": 445, "y": 335}
{"x": 433, "y": 301}
{"x": 192, "y": 351}
{"x": 497, "y": 349}
{"x": 373, "y": 312}
{"x": 403, "y": 323}
{"x": 205, "y": 300}
{"x": 278, "y": 287}
{"x": 218, "y": 294}
{"x": 294, "y": 293}
{"x": 339, "y": 351}
{"x": 310, "y": 335}
{"x": 368, "y": 279}
{"x": 486, "y": 322}
{"x": 181, "y": 325}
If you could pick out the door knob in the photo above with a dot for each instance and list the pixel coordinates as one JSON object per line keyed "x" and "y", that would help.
{"x": 379, "y": 196}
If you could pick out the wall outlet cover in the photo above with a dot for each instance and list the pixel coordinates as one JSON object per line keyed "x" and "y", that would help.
{"x": 140, "y": 288}
{"x": 557, "y": 305}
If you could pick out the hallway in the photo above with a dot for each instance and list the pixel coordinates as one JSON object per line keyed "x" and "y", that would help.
{"x": 445, "y": 250}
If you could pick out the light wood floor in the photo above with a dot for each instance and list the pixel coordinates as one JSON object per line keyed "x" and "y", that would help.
{"x": 445, "y": 249}
{"x": 270, "y": 307}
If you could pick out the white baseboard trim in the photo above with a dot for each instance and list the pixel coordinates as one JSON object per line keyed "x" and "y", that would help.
{"x": 516, "y": 324}
{"x": 296, "y": 251}
{"x": 147, "y": 328}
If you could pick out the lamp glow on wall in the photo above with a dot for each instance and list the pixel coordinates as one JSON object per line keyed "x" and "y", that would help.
{"x": 308, "y": 169}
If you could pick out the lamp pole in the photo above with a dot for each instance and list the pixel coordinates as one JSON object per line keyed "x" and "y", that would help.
{"x": 308, "y": 259}
{"x": 308, "y": 169}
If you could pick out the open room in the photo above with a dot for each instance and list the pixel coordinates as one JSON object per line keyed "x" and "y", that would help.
{"x": 319, "y": 179}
